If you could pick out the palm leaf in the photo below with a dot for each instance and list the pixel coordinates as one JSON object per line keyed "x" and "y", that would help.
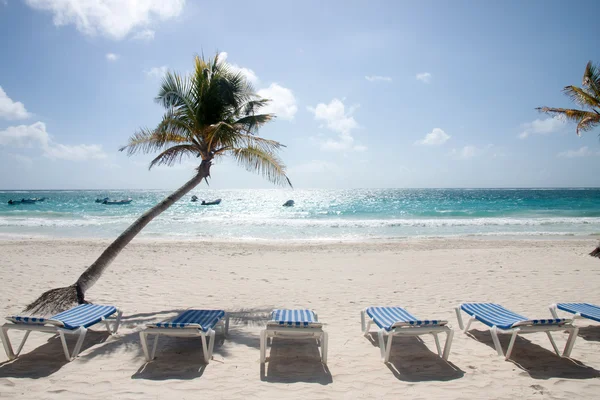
{"x": 591, "y": 79}
{"x": 146, "y": 141}
{"x": 262, "y": 162}
{"x": 173, "y": 155}
{"x": 581, "y": 97}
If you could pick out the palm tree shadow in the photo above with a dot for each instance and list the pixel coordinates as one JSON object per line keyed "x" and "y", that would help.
{"x": 590, "y": 333}
{"x": 411, "y": 360}
{"x": 48, "y": 358}
{"x": 538, "y": 361}
{"x": 292, "y": 361}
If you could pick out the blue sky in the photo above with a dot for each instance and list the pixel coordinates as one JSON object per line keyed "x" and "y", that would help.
{"x": 377, "y": 94}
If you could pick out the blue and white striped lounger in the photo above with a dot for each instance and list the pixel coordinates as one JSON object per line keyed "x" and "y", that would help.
{"x": 579, "y": 310}
{"x": 71, "y": 322}
{"x": 396, "y": 321}
{"x": 502, "y": 320}
{"x": 294, "y": 324}
{"x": 190, "y": 323}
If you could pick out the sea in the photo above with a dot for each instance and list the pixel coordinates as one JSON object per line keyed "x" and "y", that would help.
{"x": 318, "y": 214}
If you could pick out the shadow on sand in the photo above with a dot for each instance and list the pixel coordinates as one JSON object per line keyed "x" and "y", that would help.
{"x": 411, "y": 360}
{"x": 47, "y": 358}
{"x": 590, "y": 333}
{"x": 291, "y": 361}
{"x": 539, "y": 362}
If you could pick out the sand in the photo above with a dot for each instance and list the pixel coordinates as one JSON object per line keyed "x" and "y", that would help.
{"x": 154, "y": 280}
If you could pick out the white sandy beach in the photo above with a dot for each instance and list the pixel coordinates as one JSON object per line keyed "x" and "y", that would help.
{"x": 154, "y": 280}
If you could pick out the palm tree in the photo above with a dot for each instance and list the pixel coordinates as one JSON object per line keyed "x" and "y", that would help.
{"x": 211, "y": 113}
{"x": 588, "y": 97}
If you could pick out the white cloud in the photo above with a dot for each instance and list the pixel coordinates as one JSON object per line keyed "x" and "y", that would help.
{"x": 542, "y": 127}
{"x": 377, "y": 78}
{"x": 35, "y": 135}
{"x": 338, "y": 120}
{"x": 10, "y": 109}
{"x": 248, "y": 73}
{"x": 157, "y": 72}
{"x": 469, "y": 151}
{"x": 112, "y": 56}
{"x": 79, "y": 152}
{"x": 581, "y": 152}
{"x": 146, "y": 34}
{"x": 21, "y": 159}
{"x": 435, "y": 138}
{"x": 282, "y": 104}
{"x": 114, "y": 19}
{"x": 424, "y": 77}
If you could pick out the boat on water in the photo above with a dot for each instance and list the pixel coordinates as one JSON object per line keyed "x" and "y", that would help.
{"x": 102, "y": 200}
{"x": 26, "y": 201}
{"x": 289, "y": 203}
{"x": 116, "y": 202}
{"x": 211, "y": 203}
{"x": 194, "y": 198}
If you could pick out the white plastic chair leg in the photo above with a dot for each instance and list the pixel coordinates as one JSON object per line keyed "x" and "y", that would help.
{"x": 554, "y": 346}
{"x": 553, "y": 311}
{"x": 77, "y": 349}
{"x": 363, "y": 325}
{"x": 380, "y": 336}
{"x": 469, "y": 323}
{"x": 511, "y": 344}
{"x": 154, "y": 346}
{"x": 437, "y": 344}
{"x": 448, "y": 345}
{"x": 570, "y": 342}
{"x": 324, "y": 347}
{"x": 7, "y": 345}
{"x": 459, "y": 318}
{"x": 263, "y": 345}
{"x": 207, "y": 348}
{"x": 494, "y": 333}
{"x": 143, "y": 341}
{"x": 388, "y": 349}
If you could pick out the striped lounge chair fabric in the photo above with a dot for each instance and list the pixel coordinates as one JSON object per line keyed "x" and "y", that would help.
{"x": 190, "y": 323}
{"x": 294, "y": 324}
{"x": 397, "y": 321}
{"x": 493, "y": 314}
{"x": 72, "y": 322}
{"x": 389, "y": 318}
{"x": 582, "y": 310}
{"x": 503, "y": 320}
{"x": 202, "y": 319}
{"x": 297, "y": 318}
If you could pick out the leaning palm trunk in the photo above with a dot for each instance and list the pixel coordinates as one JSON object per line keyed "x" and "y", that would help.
{"x": 55, "y": 300}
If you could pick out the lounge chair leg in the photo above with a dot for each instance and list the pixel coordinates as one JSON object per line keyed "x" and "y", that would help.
{"x": 64, "y": 344}
{"x": 6, "y": 342}
{"x": 363, "y": 325}
{"x": 143, "y": 336}
{"x": 263, "y": 345}
{"x": 208, "y": 350}
{"x": 324, "y": 343}
{"x": 459, "y": 318}
{"x": 494, "y": 332}
{"x": 154, "y": 346}
{"x": 553, "y": 311}
{"x": 469, "y": 323}
{"x": 511, "y": 344}
{"x": 77, "y": 349}
{"x": 554, "y": 346}
{"x": 388, "y": 349}
{"x": 570, "y": 342}
{"x": 437, "y": 344}
{"x": 226, "y": 324}
{"x": 448, "y": 345}
{"x": 381, "y": 343}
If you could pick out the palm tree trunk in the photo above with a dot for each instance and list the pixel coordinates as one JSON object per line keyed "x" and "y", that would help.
{"x": 62, "y": 298}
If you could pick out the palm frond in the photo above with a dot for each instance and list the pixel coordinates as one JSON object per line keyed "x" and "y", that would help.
{"x": 581, "y": 97}
{"x": 173, "y": 155}
{"x": 251, "y": 123}
{"x": 573, "y": 115}
{"x": 591, "y": 79}
{"x": 588, "y": 123}
{"x": 262, "y": 162}
{"x": 146, "y": 141}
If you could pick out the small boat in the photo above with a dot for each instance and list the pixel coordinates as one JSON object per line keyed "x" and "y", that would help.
{"x": 11, "y": 202}
{"x": 211, "y": 203}
{"x": 39, "y": 199}
{"x": 102, "y": 200}
{"x": 124, "y": 201}
{"x": 289, "y": 203}
{"x": 194, "y": 198}
{"x": 28, "y": 201}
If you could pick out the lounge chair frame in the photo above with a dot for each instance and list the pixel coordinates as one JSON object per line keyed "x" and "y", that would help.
{"x": 525, "y": 329}
{"x": 190, "y": 330}
{"x": 274, "y": 329}
{"x": 386, "y": 346}
{"x": 553, "y": 310}
{"x": 56, "y": 328}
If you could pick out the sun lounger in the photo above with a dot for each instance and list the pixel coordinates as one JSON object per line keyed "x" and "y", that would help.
{"x": 71, "y": 322}
{"x": 294, "y": 324}
{"x": 579, "y": 310}
{"x": 499, "y": 319}
{"x": 396, "y": 321}
{"x": 190, "y": 323}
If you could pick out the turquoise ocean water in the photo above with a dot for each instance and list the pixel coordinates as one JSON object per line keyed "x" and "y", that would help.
{"x": 356, "y": 214}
